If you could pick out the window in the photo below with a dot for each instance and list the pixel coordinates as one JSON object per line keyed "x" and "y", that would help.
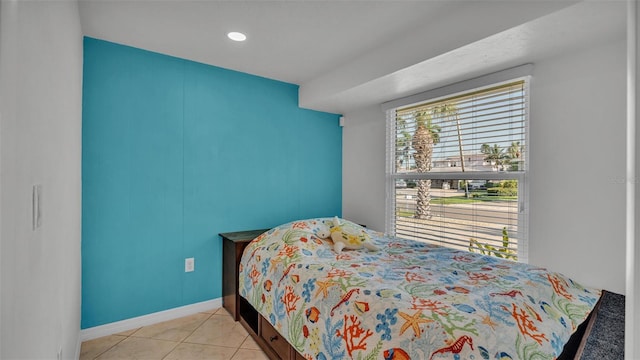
{"x": 457, "y": 170}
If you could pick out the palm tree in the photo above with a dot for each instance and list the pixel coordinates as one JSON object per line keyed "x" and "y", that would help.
{"x": 485, "y": 149}
{"x": 515, "y": 152}
{"x": 403, "y": 144}
{"x": 449, "y": 112}
{"x": 494, "y": 154}
{"x": 403, "y": 141}
{"x": 425, "y": 137}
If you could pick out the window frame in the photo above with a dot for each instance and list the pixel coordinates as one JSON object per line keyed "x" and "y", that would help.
{"x": 487, "y": 82}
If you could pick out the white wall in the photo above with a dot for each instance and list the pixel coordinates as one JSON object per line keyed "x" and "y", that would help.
{"x": 632, "y": 305}
{"x": 40, "y": 143}
{"x": 578, "y": 132}
{"x": 577, "y": 145}
{"x": 363, "y": 167}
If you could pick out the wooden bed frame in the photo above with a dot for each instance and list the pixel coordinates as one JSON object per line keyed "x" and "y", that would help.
{"x": 275, "y": 345}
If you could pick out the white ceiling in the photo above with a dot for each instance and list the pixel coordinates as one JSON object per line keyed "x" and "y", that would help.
{"x": 348, "y": 54}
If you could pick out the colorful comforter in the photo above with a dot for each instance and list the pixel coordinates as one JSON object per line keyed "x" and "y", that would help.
{"x": 409, "y": 300}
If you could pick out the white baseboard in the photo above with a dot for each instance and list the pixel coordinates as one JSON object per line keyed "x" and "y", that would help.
{"x": 134, "y": 323}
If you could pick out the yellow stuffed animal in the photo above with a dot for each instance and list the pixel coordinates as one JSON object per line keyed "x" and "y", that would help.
{"x": 350, "y": 236}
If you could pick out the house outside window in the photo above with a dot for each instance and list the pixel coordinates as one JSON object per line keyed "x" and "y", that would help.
{"x": 461, "y": 161}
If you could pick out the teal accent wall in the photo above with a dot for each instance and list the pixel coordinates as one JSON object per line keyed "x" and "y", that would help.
{"x": 175, "y": 152}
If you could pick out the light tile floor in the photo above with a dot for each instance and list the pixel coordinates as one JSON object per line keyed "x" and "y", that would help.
{"x": 208, "y": 335}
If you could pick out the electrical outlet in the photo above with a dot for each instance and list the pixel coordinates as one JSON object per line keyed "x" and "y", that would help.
{"x": 189, "y": 264}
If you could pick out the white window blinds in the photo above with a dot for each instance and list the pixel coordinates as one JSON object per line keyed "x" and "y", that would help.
{"x": 457, "y": 170}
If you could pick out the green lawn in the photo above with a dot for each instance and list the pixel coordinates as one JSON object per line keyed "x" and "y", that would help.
{"x": 465, "y": 200}
{"x": 404, "y": 213}
{"x": 459, "y": 200}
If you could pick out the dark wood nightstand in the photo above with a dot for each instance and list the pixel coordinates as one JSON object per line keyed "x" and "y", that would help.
{"x": 233, "y": 244}
{"x": 266, "y": 336}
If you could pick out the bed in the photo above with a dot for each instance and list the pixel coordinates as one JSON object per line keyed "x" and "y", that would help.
{"x": 408, "y": 300}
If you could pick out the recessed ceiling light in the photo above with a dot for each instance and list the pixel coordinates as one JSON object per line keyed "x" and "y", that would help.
{"x": 237, "y": 36}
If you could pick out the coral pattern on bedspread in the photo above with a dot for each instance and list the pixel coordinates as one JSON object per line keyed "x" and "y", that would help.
{"x": 409, "y": 300}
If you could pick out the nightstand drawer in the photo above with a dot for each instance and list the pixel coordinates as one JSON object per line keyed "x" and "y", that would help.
{"x": 274, "y": 339}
